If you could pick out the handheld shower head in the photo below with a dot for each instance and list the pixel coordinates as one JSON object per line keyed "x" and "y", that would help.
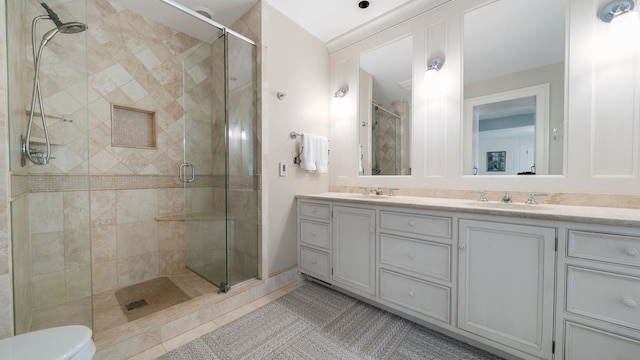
{"x": 72, "y": 27}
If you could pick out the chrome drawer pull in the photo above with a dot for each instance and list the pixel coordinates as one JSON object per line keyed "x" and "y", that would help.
{"x": 462, "y": 246}
{"x": 412, "y": 255}
{"x": 313, "y": 233}
{"x": 631, "y": 252}
{"x": 314, "y": 261}
{"x": 629, "y": 303}
{"x": 412, "y": 223}
{"x": 412, "y": 294}
{"x": 314, "y": 210}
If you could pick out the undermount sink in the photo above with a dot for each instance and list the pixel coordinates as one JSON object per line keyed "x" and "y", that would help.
{"x": 508, "y": 206}
{"x": 370, "y": 197}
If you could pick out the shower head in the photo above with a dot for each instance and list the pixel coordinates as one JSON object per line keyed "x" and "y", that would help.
{"x": 66, "y": 28}
{"x": 72, "y": 27}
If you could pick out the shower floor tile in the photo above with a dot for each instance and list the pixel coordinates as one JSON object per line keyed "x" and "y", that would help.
{"x": 151, "y": 296}
{"x": 108, "y": 314}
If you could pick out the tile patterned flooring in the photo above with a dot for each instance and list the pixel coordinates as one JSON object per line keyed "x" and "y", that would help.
{"x": 217, "y": 322}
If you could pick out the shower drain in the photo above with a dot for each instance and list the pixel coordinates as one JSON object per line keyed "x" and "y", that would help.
{"x": 136, "y": 304}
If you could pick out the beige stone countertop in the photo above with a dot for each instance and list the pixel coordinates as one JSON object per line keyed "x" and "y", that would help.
{"x": 588, "y": 214}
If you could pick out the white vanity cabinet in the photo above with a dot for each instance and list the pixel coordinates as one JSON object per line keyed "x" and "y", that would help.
{"x": 602, "y": 293}
{"x": 414, "y": 263}
{"x": 506, "y": 284}
{"x": 549, "y": 283}
{"x": 354, "y": 244}
{"x": 314, "y": 239}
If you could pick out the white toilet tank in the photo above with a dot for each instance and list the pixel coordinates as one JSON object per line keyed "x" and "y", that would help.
{"x": 59, "y": 343}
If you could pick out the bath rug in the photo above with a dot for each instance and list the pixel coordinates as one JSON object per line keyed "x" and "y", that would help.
{"x": 148, "y": 297}
{"x": 314, "y": 322}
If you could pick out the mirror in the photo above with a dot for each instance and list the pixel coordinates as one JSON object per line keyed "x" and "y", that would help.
{"x": 384, "y": 108}
{"x": 514, "y": 74}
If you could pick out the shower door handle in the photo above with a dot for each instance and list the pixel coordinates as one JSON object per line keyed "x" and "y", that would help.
{"x": 193, "y": 173}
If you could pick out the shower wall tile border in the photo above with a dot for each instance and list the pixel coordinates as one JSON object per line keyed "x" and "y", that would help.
{"x": 22, "y": 184}
{"x": 19, "y": 185}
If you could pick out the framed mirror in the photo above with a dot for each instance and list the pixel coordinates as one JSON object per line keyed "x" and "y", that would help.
{"x": 384, "y": 109}
{"x": 514, "y": 88}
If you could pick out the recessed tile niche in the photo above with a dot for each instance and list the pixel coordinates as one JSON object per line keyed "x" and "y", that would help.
{"x": 133, "y": 128}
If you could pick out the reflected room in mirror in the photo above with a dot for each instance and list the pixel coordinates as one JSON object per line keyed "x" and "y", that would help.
{"x": 514, "y": 74}
{"x": 512, "y": 124}
{"x": 384, "y": 108}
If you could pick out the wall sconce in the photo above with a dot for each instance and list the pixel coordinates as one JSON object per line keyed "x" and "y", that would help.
{"x": 435, "y": 64}
{"x": 614, "y": 9}
{"x": 342, "y": 92}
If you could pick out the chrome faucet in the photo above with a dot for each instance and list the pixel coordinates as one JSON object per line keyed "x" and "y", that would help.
{"x": 483, "y": 196}
{"x": 531, "y": 200}
{"x": 506, "y": 198}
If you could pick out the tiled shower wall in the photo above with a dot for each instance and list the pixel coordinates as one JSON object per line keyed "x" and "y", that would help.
{"x": 136, "y": 63}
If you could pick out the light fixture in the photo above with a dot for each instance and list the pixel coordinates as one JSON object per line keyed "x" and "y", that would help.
{"x": 615, "y": 8}
{"x": 363, "y": 4}
{"x": 342, "y": 92}
{"x": 435, "y": 64}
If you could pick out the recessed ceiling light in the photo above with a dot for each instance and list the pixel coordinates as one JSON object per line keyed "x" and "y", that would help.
{"x": 363, "y": 4}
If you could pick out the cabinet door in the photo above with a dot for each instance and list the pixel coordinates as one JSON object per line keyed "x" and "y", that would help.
{"x": 354, "y": 249}
{"x": 506, "y": 284}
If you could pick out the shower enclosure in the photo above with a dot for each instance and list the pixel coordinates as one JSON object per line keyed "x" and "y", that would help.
{"x": 89, "y": 217}
{"x": 221, "y": 159}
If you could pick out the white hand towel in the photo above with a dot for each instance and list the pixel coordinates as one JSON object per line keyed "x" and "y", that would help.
{"x": 309, "y": 148}
{"x": 322, "y": 154}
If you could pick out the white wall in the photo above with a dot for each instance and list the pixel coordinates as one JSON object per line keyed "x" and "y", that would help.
{"x": 602, "y": 109}
{"x": 296, "y": 63}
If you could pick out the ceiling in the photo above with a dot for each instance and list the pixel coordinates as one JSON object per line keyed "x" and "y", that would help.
{"x": 325, "y": 19}
{"x": 499, "y": 38}
{"x": 328, "y": 19}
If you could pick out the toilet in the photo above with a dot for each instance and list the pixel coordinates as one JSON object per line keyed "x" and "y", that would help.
{"x": 59, "y": 343}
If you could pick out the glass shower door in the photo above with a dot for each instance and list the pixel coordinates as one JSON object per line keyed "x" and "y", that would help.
{"x": 204, "y": 168}
{"x": 242, "y": 160}
{"x": 221, "y": 156}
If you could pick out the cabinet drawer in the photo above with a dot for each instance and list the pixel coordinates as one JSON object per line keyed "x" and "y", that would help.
{"x": 314, "y": 233}
{"x": 604, "y": 296}
{"x": 585, "y": 343}
{"x": 618, "y": 249}
{"x": 318, "y": 211}
{"x": 427, "y": 258}
{"x": 315, "y": 263}
{"x": 416, "y": 224}
{"x": 420, "y": 296}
